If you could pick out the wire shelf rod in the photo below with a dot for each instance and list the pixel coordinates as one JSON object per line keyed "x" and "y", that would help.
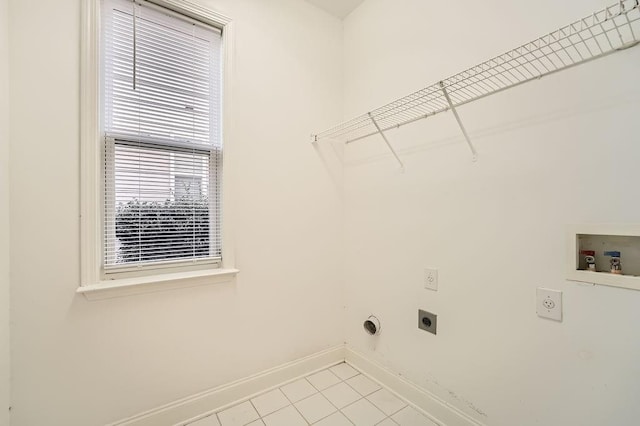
{"x": 606, "y": 31}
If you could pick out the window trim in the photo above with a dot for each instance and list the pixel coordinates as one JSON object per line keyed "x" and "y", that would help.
{"x": 91, "y": 206}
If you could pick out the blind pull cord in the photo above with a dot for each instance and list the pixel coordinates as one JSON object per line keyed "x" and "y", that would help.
{"x": 134, "y": 45}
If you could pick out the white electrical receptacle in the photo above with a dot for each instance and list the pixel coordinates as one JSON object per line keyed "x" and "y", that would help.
{"x": 549, "y": 303}
{"x": 431, "y": 279}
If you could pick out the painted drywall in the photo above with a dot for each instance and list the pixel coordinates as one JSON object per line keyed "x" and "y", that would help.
{"x": 338, "y": 8}
{"x": 553, "y": 152}
{"x": 4, "y": 214}
{"x": 80, "y": 363}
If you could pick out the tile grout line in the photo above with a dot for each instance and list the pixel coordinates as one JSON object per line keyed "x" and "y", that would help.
{"x": 270, "y": 388}
{"x": 321, "y": 393}
{"x": 293, "y": 405}
{"x": 338, "y": 410}
{"x": 257, "y": 412}
{"x": 365, "y": 398}
{"x": 382, "y": 386}
{"x": 406, "y": 404}
{"x": 357, "y": 400}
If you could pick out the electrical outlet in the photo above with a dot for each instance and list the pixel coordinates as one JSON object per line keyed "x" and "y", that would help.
{"x": 549, "y": 303}
{"x": 427, "y": 321}
{"x": 431, "y": 279}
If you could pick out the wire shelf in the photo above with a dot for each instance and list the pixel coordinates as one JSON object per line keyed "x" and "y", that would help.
{"x": 614, "y": 28}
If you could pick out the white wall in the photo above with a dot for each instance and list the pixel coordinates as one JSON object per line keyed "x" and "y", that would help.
{"x": 86, "y": 363}
{"x": 557, "y": 151}
{"x": 4, "y": 214}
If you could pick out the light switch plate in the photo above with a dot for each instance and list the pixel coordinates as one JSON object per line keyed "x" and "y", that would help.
{"x": 431, "y": 279}
{"x": 549, "y": 303}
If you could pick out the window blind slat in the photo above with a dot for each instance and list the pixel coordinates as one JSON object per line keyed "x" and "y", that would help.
{"x": 162, "y": 137}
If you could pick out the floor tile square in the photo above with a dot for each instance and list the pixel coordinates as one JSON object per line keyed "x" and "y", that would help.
{"x": 363, "y": 385}
{"x": 336, "y": 396}
{"x": 298, "y": 390}
{"x": 315, "y": 407}
{"x": 386, "y": 401}
{"x": 344, "y": 371}
{"x": 286, "y": 417}
{"x": 409, "y": 416}
{"x": 342, "y": 395}
{"x": 323, "y": 379}
{"x": 211, "y": 420}
{"x": 363, "y": 413}
{"x": 387, "y": 422}
{"x": 336, "y": 419}
{"x": 270, "y": 402}
{"x": 238, "y": 415}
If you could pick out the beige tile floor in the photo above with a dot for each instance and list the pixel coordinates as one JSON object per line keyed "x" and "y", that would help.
{"x": 337, "y": 396}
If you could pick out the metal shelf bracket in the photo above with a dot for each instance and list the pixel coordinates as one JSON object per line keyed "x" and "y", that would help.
{"x": 455, "y": 114}
{"x": 393, "y": 151}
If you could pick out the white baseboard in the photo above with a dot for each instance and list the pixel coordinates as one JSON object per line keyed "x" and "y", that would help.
{"x": 191, "y": 408}
{"x": 434, "y": 407}
{"x": 204, "y": 403}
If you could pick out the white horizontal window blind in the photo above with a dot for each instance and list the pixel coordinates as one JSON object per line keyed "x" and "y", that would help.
{"x": 162, "y": 138}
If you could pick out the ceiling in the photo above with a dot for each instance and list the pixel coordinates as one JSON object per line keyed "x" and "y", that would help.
{"x": 338, "y": 8}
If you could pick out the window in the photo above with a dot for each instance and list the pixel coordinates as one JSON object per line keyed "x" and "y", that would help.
{"x": 151, "y": 147}
{"x": 162, "y": 145}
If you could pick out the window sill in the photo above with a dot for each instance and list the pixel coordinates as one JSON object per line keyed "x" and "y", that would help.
{"x": 140, "y": 285}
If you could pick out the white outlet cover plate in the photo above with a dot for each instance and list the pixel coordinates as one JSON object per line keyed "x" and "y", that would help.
{"x": 549, "y": 303}
{"x": 431, "y": 279}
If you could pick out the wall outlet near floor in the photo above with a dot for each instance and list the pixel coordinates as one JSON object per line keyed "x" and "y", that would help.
{"x": 431, "y": 279}
{"x": 549, "y": 303}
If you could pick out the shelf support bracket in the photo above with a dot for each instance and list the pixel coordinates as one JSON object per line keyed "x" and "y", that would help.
{"x": 375, "y": 123}
{"x": 455, "y": 114}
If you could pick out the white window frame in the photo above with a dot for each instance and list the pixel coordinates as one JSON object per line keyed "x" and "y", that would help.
{"x": 93, "y": 284}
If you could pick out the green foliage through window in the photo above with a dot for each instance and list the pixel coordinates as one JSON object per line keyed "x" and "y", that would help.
{"x": 148, "y": 230}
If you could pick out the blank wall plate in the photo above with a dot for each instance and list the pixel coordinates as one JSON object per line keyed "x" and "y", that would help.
{"x": 431, "y": 279}
{"x": 549, "y": 303}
